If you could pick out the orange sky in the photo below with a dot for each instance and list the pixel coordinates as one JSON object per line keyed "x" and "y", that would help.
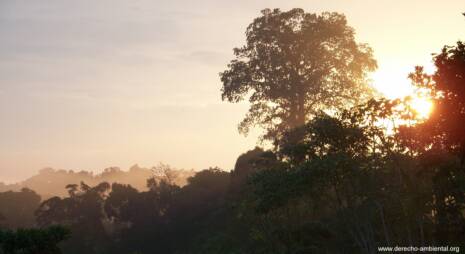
{"x": 87, "y": 84}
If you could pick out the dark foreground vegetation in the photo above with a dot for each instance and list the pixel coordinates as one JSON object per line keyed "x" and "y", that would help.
{"x": 346, "y": 172}
{"x": 33, "y": 241}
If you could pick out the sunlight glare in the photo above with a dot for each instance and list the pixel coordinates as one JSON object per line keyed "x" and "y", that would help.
{"x": 422, "y": 106}
{"x": 394, "y": 84}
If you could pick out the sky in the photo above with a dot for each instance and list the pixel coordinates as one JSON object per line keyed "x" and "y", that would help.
{"x": 86, "y": 85}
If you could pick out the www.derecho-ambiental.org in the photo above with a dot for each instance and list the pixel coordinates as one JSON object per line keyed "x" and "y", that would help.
{"x": 454, "y": 249}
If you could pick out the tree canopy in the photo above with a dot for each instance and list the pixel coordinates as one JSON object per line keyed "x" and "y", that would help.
{"x": 447, "y": 87}
{"x": 295, "y": 64}
{"x": 17, "y": 208}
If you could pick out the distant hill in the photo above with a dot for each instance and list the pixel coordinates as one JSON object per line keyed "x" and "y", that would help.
{"x": 50, "y": 182}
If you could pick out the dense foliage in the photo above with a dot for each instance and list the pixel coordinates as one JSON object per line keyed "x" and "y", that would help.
{"x": 33, "y": 241}
{"x": 17, "y": 208}
{"x": 293, "y": 65}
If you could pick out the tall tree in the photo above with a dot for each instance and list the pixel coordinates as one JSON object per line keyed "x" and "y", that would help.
{"x": 293, "y": 65}
{"x": 440, "y": 141}
{"x": 450, "y": 79}
{"x": 444, "y": 128}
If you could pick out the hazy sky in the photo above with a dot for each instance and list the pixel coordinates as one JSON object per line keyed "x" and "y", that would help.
{"x": 88, "y": 84}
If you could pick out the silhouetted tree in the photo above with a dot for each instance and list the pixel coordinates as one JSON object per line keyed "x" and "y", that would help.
{"x": 83, "y": 212}
{"x": 248, "y": 164}
{"x": 439, "y": 142}
{"x": 293, "y": 65}
{"x": 18, "y": 208}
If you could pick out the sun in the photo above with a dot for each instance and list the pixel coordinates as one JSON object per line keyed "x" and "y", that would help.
{"x": 422, "y": 106}
{"x": 394, "y": 84}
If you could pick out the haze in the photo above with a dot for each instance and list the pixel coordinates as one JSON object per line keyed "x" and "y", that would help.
{"x": 87, "y": 85}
